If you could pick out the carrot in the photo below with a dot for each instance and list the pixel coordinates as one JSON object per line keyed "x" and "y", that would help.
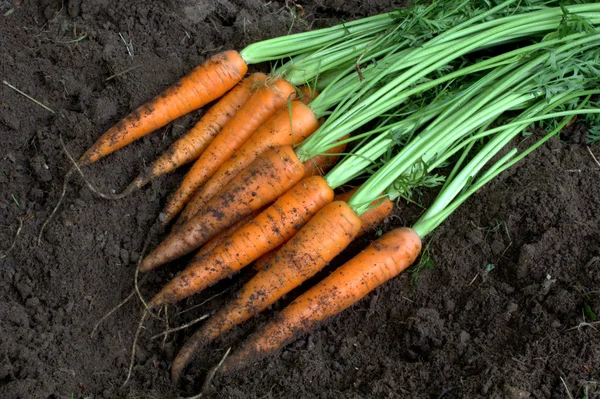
{"x": 204, "y": 84}
{"x": 192, "y": 144}
{"x": 317, "y": 165}
{"x": 224, "y": 235}
{"x": 254, "y": 113}
{"x": 288, "y": 126}
{"x": 269, "y": 229}
{"x": 384, "y": 259}
{"x": 316, "y": 244}
{"x": 262, "y": 182}
{"x": 369, "y": 220}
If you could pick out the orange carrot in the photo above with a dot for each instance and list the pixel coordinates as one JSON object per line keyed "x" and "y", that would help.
{"x": 269, "y": 229}
{"x": 253, "y": 114}
{"x": 205, "y": 83}
{"x": 381, "y": 208}
{"x": 307, "y": 94}
{"x": 384, "y": 259}
{"x": 190, "y": 146}
{"x": 261, "y": 183}
{"x": 311, "y": 248}
{"x": 369, "y": 221}
{"x": 277, "y": 131}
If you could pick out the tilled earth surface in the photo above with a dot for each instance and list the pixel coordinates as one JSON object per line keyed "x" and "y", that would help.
{"x": 504, "y": 309}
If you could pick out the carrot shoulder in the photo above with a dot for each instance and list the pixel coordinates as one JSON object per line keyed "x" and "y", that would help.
{"x": 384, "y": 259}
{"x": 261, "y": 183}
{"x": 204, "y": 84}
{"x": 254, "y": 113}
{"x": 191, "y": 145}
{"x": 319, "y": 164}
{"x": 288, "y": 126}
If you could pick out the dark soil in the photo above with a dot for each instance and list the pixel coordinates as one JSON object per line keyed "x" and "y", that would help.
{"x": 516, "y": 270}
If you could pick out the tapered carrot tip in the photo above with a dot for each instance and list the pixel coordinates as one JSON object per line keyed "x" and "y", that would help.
{"x": 205, "y": 83}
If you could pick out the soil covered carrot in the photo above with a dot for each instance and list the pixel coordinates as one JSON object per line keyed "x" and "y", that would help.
{"x": 369, "y": 220}
{"x": 189, "y": 147}
{"x": 269, "y": 229}
{"x": 288, "y": 126}
{"x": 249, "y": 193}
{"x": 224, "y": 235}
{"x": 384, "y": 259}
{"x": 204, "y": 84}
{"x": 255, "y": 112}
{"x": 308, "y": 250}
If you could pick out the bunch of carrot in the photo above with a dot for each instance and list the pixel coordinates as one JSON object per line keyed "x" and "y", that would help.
{"x": 258, "y": 191}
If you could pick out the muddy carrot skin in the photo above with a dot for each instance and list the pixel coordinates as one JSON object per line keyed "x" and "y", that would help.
{"x": 268, "y": 230}
{"x": 204, "y": 84}
{"x": 288, "y": 126}
{"x": 224, "y": 235}
{"x": 384, "y": 259}
{"x": 261, "y": 183}
{"x": 191, "y": 145}
{"x": 316, "y": 244}
{"x": 265, "y": 101}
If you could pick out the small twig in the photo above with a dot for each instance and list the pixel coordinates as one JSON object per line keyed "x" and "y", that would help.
{"x": 129, "y": 45}
{"x": 566, "y": 388}
{"x": 584, "y": 324}
{"x": 29, "y": 97}
{"x": 211, "y": 374}
{"x": 90, "y": 186}
{"x": 474, "y": 278}
{"x": 203, "y": 302}
{"x": 446, "y": 391}
{"x": 60, "y": 199}
{"x": 122, "y": 72}
{"x": 74, "y": 40}
{"x": 14, "y": 241}
{"x": 123, "y": 302}
{"x": 135, "y": 339}
{"x": 593, "y": 156}
{"x": 166, "y": 324}
{"x": 191, "y": 323}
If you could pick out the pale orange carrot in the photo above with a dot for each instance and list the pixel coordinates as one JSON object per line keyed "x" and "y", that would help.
{"x": 204, "y": 84}
{"x": 265, "y": 101}
{"x": 384, "y": 259}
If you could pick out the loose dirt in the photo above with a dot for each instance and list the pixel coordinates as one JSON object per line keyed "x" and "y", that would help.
{"x": 500, "y": 311}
